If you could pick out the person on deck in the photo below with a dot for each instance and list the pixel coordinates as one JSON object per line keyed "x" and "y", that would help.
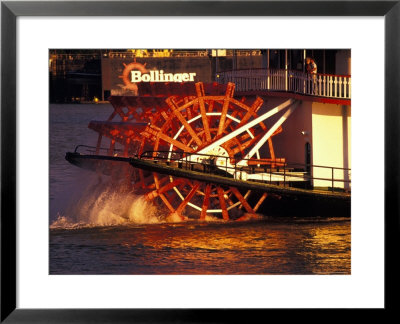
{"x": 311, "y": 68}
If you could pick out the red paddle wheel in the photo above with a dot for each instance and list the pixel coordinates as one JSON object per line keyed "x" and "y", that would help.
{"x": 194, "y": 122}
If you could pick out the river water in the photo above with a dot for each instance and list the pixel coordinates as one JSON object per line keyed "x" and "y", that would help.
{"x": 96, "y": 230}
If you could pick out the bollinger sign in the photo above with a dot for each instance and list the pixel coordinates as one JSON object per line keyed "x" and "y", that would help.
{"x": 160, "y": 76}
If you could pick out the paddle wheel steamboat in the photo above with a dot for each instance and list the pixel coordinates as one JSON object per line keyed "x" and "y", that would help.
{"x": 222, "y": 149}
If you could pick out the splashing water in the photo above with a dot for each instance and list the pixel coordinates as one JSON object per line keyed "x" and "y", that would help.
{"x": 144, "y": 212}
{"x": 104, "y": 205}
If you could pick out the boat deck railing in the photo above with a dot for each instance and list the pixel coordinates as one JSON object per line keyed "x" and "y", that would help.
{"x": 272, "y": 171}
{"x": 276, "y": 171}
{"x": 96, "y": 150}
{"x": 298, "y": 82}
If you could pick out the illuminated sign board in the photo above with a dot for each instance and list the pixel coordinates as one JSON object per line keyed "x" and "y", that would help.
{"x": 160, "y": 76}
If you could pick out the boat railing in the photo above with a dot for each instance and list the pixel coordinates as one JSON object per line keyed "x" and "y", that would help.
{"x": 273, "y": 171}
{"x": 92, "y": 150}
{"x": 319, "y": 84}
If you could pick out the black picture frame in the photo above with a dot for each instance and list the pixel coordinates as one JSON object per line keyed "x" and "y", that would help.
{"x": 10, "y": 10}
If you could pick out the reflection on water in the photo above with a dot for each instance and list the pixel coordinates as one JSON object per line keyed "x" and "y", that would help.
{"x": 95, "y": 231}
{"x": 270, "y": 246}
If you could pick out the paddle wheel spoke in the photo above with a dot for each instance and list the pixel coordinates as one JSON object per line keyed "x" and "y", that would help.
{"x": 206, "y": 202}
{"x": 222, "y": 202}
{"x": 160, "y": 190}
{"x": 179, "y": 210}
{"x": 260, "y": 201}
{"x": 243, "y": 201}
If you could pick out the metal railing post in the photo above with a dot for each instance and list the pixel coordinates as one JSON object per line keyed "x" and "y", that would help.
{"x": 270, "y": 173}
{"x": 284, "y": 175}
